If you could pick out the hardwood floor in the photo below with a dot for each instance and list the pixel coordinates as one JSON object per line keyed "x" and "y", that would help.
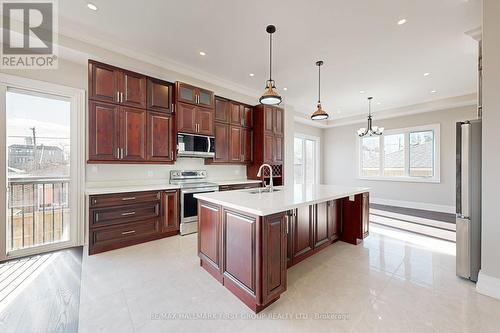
{"x": 41, "y": 293}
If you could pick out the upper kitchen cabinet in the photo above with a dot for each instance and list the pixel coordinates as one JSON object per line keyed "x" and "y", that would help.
{"x": 240, "y": 115}
{"x": 273, "y": 120}
{"x": 160, "y": 95}
{"x": 195, "y": 120}
{"x": 111, "y": 84}
{"x": 190, "y": 94}
{"x": 161, "y": 137}
{"x": 221, "y": 110}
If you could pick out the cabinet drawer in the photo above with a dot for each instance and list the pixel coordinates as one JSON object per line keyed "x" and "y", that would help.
{"x": 117, "y": 199}
{"x": 124, "y": 214}
{"x": 109, "y": 238}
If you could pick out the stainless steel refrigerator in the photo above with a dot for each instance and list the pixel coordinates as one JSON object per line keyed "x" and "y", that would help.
{"x": 468, "y": 199}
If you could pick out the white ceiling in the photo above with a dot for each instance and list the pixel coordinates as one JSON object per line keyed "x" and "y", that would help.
{"x": 360, "y": 42}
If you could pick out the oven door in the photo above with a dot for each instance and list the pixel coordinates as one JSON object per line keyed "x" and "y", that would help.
{"x": 189, "y": 204}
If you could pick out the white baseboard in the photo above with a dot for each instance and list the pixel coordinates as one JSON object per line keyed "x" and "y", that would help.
{"x": 415, "y": 205}
{"x": 488, "y": 285}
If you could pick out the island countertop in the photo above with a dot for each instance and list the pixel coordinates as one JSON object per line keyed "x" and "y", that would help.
{"x": 285, "y": 198}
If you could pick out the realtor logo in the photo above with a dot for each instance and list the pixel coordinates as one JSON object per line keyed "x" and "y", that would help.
{"x": 29, "y": 34}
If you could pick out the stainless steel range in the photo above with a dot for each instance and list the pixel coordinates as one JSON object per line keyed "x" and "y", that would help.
{"x": 191, "y": 182}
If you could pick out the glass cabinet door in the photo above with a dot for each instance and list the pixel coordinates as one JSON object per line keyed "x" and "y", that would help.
{"x": 206, "y": 98}
{"x": 187, "y": 93}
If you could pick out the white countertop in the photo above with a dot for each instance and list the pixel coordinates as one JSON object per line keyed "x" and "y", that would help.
{"x": 235, "y": 181}
{"x": 128, "y": 188}
{"x": 286, "y": 198}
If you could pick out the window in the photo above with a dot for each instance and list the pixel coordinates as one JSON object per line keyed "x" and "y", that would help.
{"x": 305, "y": 160}
{"x": 409, "y": 154}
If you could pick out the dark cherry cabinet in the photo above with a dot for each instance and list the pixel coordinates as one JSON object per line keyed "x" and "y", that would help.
{"x": 321, "y": 225}
{"x": 221, "y": 110}
{"x": 303, "y": 231}
{"x": 160, "y": 95}
{"x": 233, "y": 134}
{"x": 205, "y": 120}
{"x": 131, "y": 117}
{"x": 104, "y": 122}
{"x": 117, "y": 133}
{"x": 170, "y": 211}
{"x": 133, "y": 134}
{"x": 239, "y": 186}
{"x": 111, "y": 84}
{"x": 193, "y": 95}
{"x": 268, "y": 142}
{"x": 160, "y": 143}
{"x": 235, "y": 144}
{"x": 221, "y": 143}
{"x": 194, "y": 120}
{"x": 355, "y": 217}
{"x": 123, "y": 219}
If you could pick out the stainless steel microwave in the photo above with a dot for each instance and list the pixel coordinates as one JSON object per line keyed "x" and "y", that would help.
{"x": 190, "y": 145}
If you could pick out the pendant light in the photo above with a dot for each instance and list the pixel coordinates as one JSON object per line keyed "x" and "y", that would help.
{"x": 270, "y": 96}
{"x": 370, "y": 131}
{"x": 319, "y": 114}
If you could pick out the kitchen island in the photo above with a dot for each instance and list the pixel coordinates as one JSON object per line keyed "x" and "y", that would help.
{"x": 247, "y": 239}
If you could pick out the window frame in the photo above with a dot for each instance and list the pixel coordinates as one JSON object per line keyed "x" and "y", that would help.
{"x": 436, "y": 178}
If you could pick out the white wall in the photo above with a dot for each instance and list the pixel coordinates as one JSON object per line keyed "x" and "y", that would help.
{"x": 340, "y": 161}
{"x": 489, "y": 277}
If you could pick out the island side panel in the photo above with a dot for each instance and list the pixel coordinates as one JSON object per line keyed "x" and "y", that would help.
{"x": 209, "y": 238}
{"x": 355, "y": 218}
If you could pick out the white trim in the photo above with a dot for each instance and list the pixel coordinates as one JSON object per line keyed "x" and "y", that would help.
{"x": 436, "y": 128}
{"x": 317, "y": 156}
{"x": 415, "y": 205}
{"x": 488, "y": 285}
{"x": 78, "y": 139}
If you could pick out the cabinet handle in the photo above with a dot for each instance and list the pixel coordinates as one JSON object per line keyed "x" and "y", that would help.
{"x": 172, "y": 108}
{"x": 118, "y": 153}
{"x": 171, "y": 154}
{"x": 128, "y": 213}
{"x": 128, "y": 198}
{"x": 287, "y": 220}
{"x": 121, "y": 97}
{"x": 128, "y": 232}
{"x": 118, "y": 96}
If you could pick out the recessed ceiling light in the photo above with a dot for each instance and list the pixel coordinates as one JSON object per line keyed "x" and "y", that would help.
{"x": 285, "y": 89}
{"x": 251, "y": 74}
{"x": 433, "y": 91}
{"x": 378, "y": 103}
{"x": 427, "y": 74}
{"x": 90, "y": 5}
{"x": 362, "y": 91}
{"x": 202, "y": 53}
{"x": 402, "y": 21}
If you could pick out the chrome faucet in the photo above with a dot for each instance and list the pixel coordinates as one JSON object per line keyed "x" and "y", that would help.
{"x": 271, "y": 187}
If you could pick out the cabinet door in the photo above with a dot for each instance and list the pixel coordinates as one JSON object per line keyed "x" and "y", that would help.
{"x": 334, "y": 219}
{"x": 133, "y": 134}
{"x": 235, "y": 144}
{"x": 170, "y": 211}
{"x": 160, "y": 137}
{"x": 365, "y": 213}
{"x": 133, "y": 89}
{"x": 235, "y": 114}
{"x": 159, "y": 95}
{"x": 103, "y": 131}
{"x": 205, "y": 121}
{"x": 268, "y": 119}
{"x": 103, "y": 83}
{"x": 278, "y": 121}
{"x": 186, "y": 93}
{"x": 268, "y": 148}
{"x": 303, "y": 231}
{"x": 278, "y": 149}
{"x": 205, "y": 98}
{"x": 209, "y": 234}
{"x": 321, "y": 225}
{"x": 186, "y": 118}
{"x": 247, "y": 116}
{"x": 247, "y": 145}
{"x": 221, "y": 110}
{"x": 221, "y": 143}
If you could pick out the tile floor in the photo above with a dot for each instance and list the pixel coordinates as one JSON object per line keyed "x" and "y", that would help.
{"x": 393, "y": 282}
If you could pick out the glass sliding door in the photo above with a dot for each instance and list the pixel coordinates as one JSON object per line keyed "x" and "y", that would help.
{"x": 41, "y": 148}
{"x": 306, "y": 164}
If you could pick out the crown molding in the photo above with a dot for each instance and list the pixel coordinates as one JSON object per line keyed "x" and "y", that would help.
{"x": 441, "y": 104}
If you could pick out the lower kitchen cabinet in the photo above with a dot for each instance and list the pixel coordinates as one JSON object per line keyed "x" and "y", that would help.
{"x": 124, "y": 219}
{"x": 239, "y": 186}
{"x": 355, "y": 217}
